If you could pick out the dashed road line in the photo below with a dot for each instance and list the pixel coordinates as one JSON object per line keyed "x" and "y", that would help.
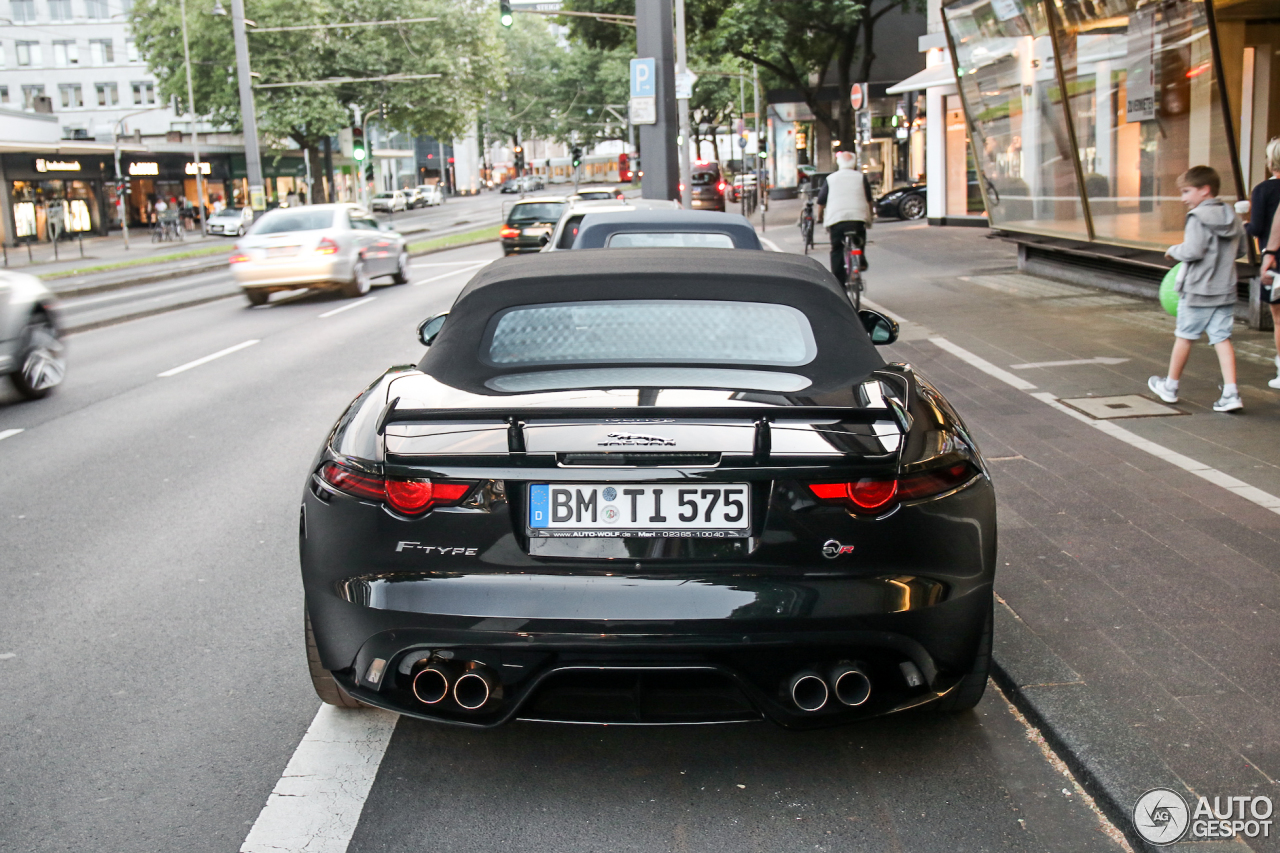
{"x": 8, "y": 433}
{"x": 455, "y": 272}
{"x": 317, "y": 802}
{"x": 208, "y": 358}
{"x": 348, "y": 306}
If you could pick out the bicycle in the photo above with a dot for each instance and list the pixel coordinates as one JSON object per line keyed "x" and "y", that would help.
{"x": 807, "y": 223}
{"x": 166, "y": 228}
{"x": 853, "y": 266}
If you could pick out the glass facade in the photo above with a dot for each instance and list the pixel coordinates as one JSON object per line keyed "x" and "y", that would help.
{"x": 1083, "y": 113}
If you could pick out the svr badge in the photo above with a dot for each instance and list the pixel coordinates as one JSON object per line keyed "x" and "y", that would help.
{"x": 832, "y": 549}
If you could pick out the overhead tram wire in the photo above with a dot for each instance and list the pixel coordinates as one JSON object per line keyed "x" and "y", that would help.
{"x": 257, "y": 29}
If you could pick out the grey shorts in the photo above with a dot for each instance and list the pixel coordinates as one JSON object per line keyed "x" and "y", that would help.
{"x": 1194, "y": 321}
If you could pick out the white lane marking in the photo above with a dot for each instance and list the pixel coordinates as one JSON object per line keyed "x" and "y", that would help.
{"x": 8, "y": 433}
{"x": 1266, "y": 500}
{"x": 1102, "y": 359}
{"x": 208, "y": 358}
{"x": 316, "y": 805}
{"x": 348, "y": 306}
{"x": 982, "y": 364}
{"x": 443, "y": 264}
{"x": 772, "y": 246}
{"x": 455, "y": 272}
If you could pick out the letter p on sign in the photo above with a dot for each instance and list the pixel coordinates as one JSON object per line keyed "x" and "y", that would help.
{"x": 642, "y": 78}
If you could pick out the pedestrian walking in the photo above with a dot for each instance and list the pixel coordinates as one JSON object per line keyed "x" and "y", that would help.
{"x": 845, "y": 206}
{"x": 1263, "y": 204}
{"x": 1211, "y": 242}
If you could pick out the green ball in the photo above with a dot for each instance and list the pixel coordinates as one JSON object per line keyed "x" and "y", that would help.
{"x": 1168, "y": 290}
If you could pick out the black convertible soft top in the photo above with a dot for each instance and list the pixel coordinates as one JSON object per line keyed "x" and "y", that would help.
{"x": 845, "y": 353}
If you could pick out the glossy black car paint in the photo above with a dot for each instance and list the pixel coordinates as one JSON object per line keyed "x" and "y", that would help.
{"x": 533, "y": 229}
{"x": 743, "y": 614}
{"x": 890, "y": 205}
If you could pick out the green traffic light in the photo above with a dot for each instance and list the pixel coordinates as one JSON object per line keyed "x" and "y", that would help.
{"x": 506, "y": 19}
{"x": 358, "y": 153}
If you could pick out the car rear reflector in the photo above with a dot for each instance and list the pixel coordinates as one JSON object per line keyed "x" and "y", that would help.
{"x": 874, "y": 496}
{"x": 327, "y": 246}
{"x": 506, "y": 232}
{"x": 405, "y": 496}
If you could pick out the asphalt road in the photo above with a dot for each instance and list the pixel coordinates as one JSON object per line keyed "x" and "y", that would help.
{"x": 152, "y": 661}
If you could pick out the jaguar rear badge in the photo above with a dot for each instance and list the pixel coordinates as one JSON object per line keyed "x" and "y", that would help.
{"x": 832, "y": 549}
{"x": 635, "y": 439}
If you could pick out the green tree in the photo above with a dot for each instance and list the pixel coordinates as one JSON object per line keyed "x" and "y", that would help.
{"x": 525, "y": 106}
{"x": 462, "y": 46}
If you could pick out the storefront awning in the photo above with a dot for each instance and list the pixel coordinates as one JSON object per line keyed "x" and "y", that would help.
{"x": 935, "y": 75}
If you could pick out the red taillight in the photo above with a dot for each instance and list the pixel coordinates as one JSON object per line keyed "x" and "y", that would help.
{"x": 722, "y": 186}
{"x": 238, "y": 257}
{"x": 407, "y": 497}
{"x": 506, "y": 232}
{"x": 327, "y": 246}
{"x": 871, "y": 495}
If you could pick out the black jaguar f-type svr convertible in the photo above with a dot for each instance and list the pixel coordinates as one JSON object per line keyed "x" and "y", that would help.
{"x": 650, "y": 486}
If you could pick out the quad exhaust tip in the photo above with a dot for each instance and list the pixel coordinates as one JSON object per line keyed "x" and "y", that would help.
{"x": 847, "y": 682}
{"x": 431, "y": 684}
{"x": 474, "y": 688}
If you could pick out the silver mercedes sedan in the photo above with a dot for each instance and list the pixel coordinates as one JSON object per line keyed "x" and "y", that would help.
{"x": 324, "y": 247}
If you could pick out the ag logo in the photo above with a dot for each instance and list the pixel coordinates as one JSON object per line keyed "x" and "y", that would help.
{"x": 1161, "y": 816}
{"x": 832, "y": 549}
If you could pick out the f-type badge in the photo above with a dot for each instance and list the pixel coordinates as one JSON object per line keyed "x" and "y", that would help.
{"x": 832, "y": 549}
{"x": 635, "y": 439}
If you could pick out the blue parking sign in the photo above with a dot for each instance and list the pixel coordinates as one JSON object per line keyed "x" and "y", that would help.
{"x": 642, "y": 78}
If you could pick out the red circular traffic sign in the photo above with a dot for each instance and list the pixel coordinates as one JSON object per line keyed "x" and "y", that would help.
{"x": 855, "y": 96}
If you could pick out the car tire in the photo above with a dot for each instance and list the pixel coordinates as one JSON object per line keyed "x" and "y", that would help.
{"x": 401, "y": 275}
{"x": 969, "y": 691}
{"x": 329, "y": 690}
{"x": 240, "y": 231}
{"x": 257, "y": 297}
{"x": 41, "y": 366}
{"x": 911, "y": 207}
{"x": 359, "y": 284}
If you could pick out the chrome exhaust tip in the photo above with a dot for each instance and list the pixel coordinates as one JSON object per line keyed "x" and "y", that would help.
{"x": 431, "y": 683}
{"x": 850, "y": 683}
{"x": 808, "y": 691}
{"x": 474, "y": 688}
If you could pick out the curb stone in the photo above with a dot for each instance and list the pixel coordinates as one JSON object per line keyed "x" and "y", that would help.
{"x": 1113, "y": 762}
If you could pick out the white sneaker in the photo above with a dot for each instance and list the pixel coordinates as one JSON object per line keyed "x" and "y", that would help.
{"x": 1274, "y": 383}
{"x": 1228, "y": 404}
{"x": 1157, "y": 386}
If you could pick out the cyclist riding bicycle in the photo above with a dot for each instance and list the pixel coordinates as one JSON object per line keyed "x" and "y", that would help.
{"x": 845, "y": 207}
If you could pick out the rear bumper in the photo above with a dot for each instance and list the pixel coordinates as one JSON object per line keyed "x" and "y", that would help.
{"x": 292, "y": 272}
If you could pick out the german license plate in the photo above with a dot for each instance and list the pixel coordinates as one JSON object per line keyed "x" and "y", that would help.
{"x": 601, "y": 510}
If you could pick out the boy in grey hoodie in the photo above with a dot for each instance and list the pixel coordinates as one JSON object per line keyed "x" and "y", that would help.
{"x": 1206, "y": 285}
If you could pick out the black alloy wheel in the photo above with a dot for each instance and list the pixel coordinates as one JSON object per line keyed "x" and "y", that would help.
{"x": 911, "y": 207}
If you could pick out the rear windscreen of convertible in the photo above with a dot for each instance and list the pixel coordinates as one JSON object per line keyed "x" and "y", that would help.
{"x": 650, "y": 332}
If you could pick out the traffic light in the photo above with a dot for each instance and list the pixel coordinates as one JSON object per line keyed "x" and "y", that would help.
{"x": 357, "y": 144}
{"x": 577, "y": 156}
{"x": 504, "y": 13}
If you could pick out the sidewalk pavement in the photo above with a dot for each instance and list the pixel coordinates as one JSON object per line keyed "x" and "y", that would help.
{"x": 1139, "y": 569}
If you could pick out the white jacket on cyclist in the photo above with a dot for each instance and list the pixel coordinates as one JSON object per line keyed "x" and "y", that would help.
{"x": 847, "y": 195}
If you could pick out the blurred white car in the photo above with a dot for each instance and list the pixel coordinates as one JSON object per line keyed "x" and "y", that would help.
{"x": 31, "y": 349}
{"x": 390, "y": 202}
{"x": 325, "y": 246}
{"x": 430, "y": 195}
{"x": 230, "y": 221}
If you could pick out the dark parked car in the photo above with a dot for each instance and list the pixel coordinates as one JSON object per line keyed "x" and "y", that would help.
{"x": 707, "y": 186}
{"x": 528, "y": 222}
{"x": 904, "y": 202}
{"x": 650, "y": 486}
{"x": 665, "y": 229}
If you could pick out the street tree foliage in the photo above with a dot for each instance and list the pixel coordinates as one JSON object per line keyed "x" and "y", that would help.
{"x": 555, "y": 90}
{"x": 798, "y": 44}
{"x": 462, "y": 46}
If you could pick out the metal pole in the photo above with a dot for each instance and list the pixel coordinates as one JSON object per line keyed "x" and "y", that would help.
{"x": 122, "y": 210}
{"x": 306, "y": 160}
{"x": 252, "y": 155}
{"x": 760, "y": 187}
{"x": 443, "y": 167}
{"x": 682, "y": 65}
{"x": 191, "y": 107}
{"x": 658, "y": 141}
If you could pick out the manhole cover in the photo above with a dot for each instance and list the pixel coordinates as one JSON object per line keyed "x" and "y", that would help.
{"x": 1128, "y": 406}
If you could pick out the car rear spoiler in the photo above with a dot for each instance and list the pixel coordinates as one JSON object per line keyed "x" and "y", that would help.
{"x": 761, "y": 416}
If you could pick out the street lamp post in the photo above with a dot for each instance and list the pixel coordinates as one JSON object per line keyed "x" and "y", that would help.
{"x": 121, "y": 210}
{"x": 682, "y": 67}
{"x": 191, "y": 107}
{"x": 252, "y": 155}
